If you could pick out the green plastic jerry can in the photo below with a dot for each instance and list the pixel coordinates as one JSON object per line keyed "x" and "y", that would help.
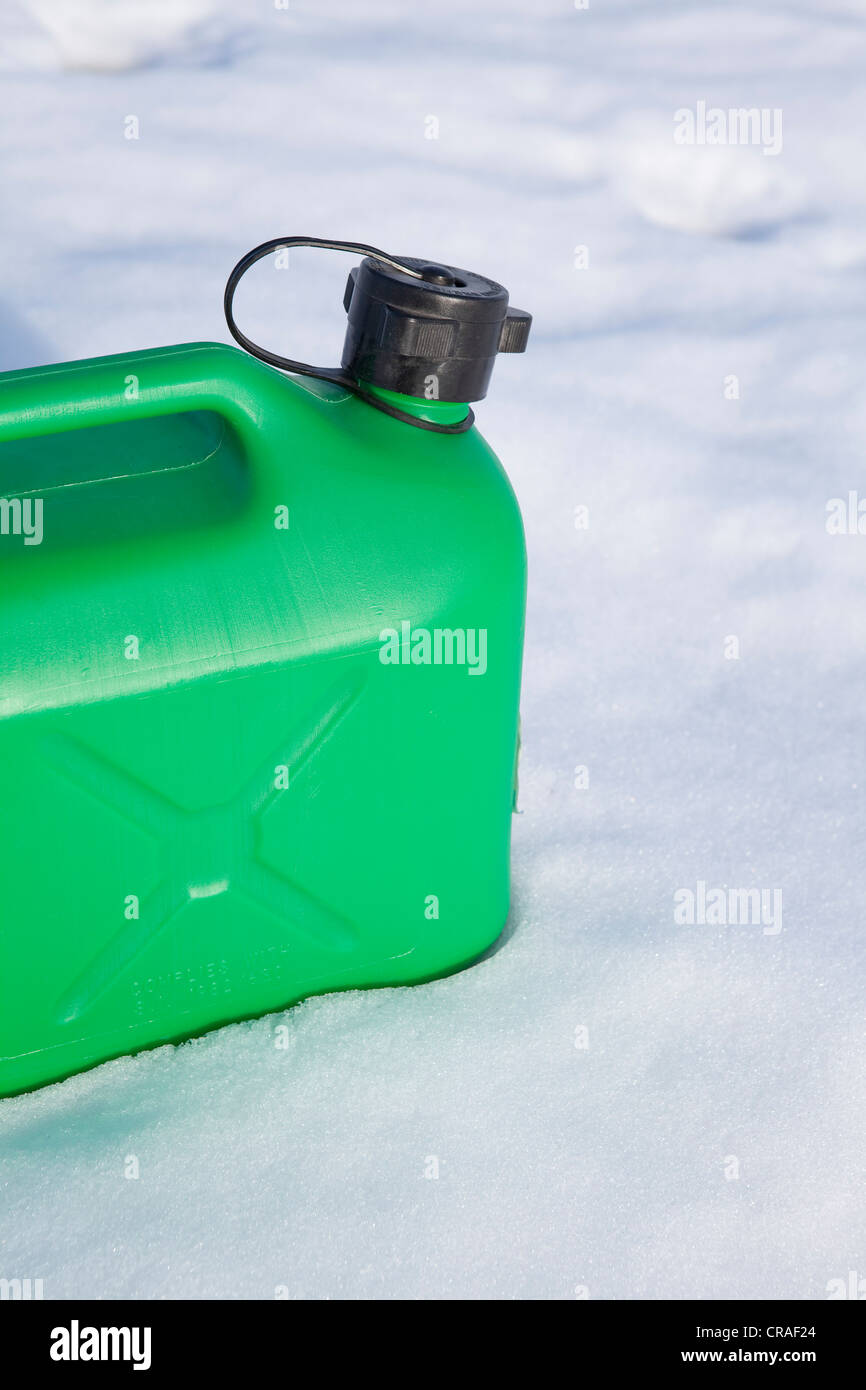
{"x": 260, "y": 653}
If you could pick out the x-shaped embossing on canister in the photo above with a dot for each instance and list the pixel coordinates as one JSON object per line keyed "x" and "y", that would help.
{"x": 226, "y": 839}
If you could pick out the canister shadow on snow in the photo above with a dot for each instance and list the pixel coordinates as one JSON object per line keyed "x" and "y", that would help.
{"x": 72, "y": 1124}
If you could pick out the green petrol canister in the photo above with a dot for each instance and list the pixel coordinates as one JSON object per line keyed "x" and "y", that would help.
{"x": 260, "y": 654}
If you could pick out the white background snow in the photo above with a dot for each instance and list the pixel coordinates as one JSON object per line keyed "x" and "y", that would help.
{"x": 561, "y": 1168}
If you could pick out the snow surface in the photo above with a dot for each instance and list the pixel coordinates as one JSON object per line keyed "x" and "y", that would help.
{"x": 605, "y": 1168}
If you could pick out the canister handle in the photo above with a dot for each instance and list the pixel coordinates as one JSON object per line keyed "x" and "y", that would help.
{"x": 141, "y": 385}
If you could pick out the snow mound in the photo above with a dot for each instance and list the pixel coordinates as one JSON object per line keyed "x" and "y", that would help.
{"x": 113, "y": 35}
{"x": 723, "y": 191}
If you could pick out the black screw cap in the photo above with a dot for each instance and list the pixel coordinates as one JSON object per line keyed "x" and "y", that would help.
{"x": 448, "y": 325}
